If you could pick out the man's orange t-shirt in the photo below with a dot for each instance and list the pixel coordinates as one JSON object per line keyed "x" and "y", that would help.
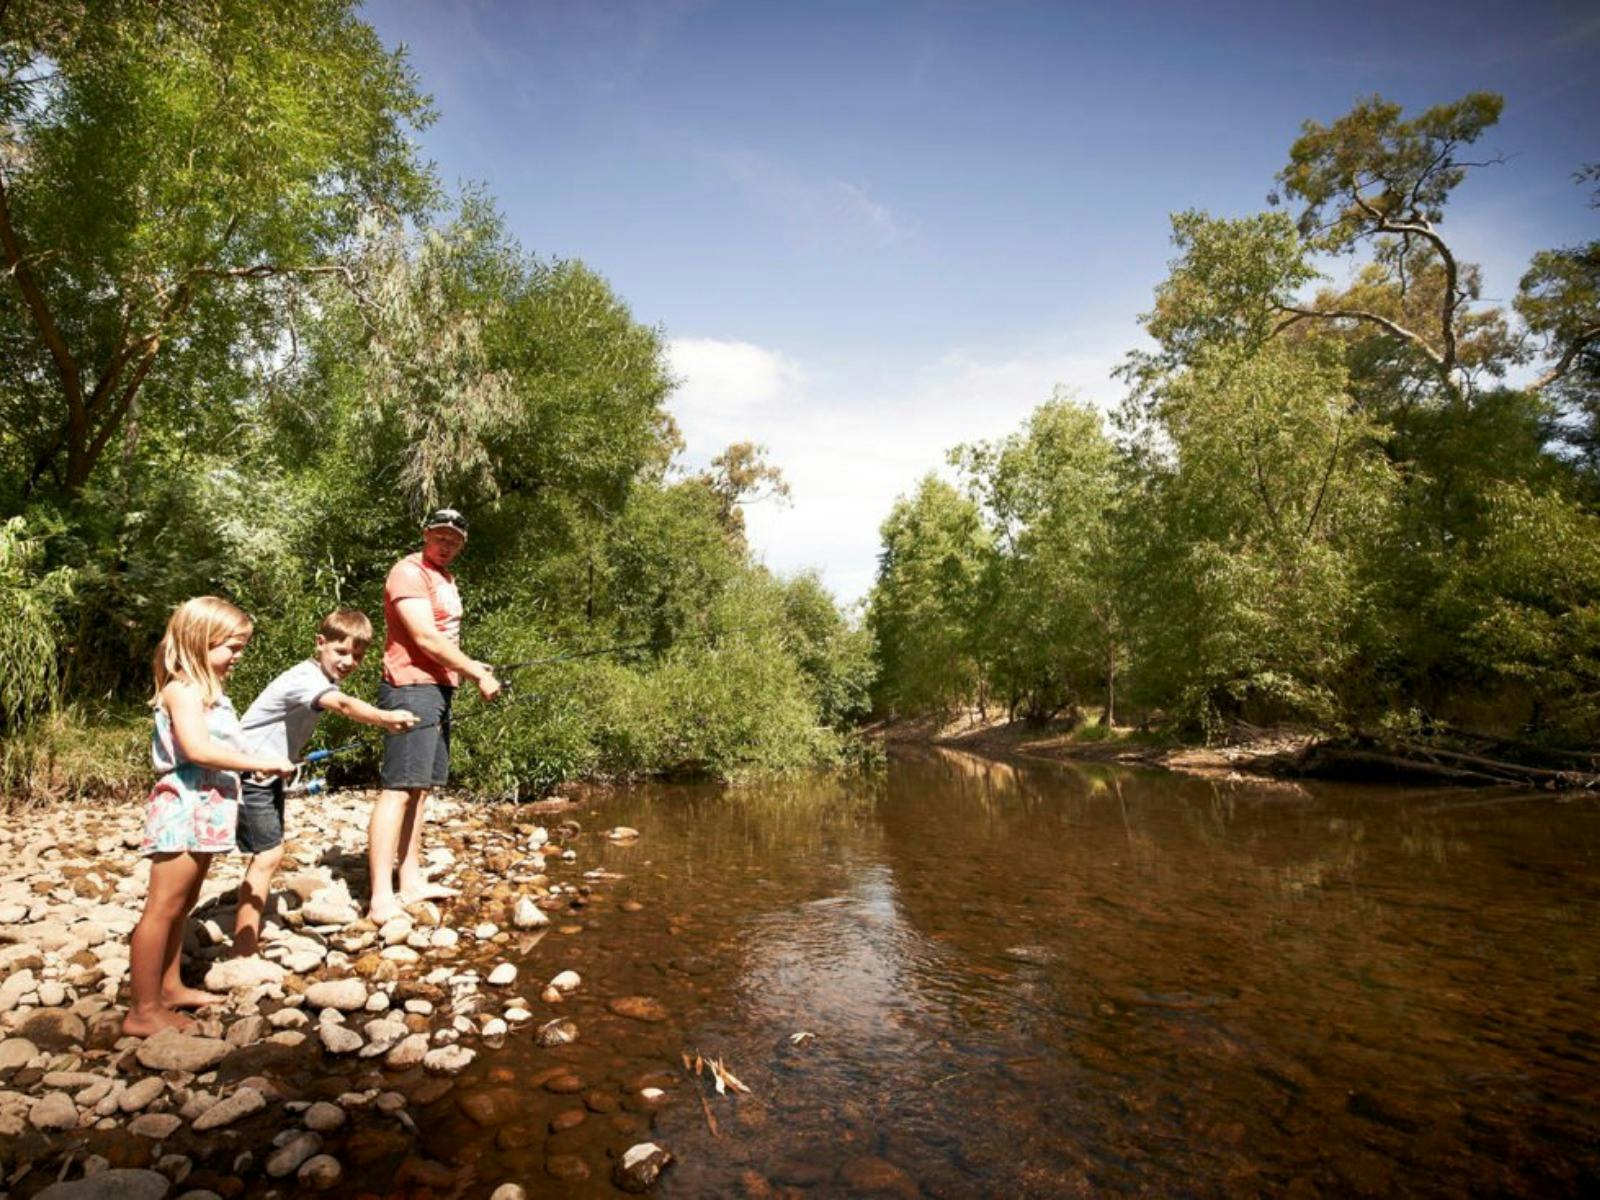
{"x": 405, "y": 662}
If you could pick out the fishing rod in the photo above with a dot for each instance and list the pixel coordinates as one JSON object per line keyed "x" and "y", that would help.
{"x": 507, "y": 668}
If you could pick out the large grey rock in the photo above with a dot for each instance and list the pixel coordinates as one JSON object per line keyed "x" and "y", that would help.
{"x": 448, "y": 1060}
{"x": 346, "y": 995}
{"x": 110, "y": 1185}
{"x": 170, "y": 1050}
{"x": 138, "y": 1096}
{"x": 339, "y": 1039}
{"x": 54, "y": 1029}
{"x": 233, "y": 973}
{"x": 320, "y": 1172}
{"x": 407, "y": 1053}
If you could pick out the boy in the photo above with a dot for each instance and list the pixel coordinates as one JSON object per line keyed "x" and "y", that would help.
{"x": 280, "y": 722}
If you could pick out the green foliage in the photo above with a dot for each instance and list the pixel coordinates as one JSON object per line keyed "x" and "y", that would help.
{"x": 924, "y": 602}
{"x": 30, "y": 603}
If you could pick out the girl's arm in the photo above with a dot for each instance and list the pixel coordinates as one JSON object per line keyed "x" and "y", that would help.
{"x": 395, "y": 720}
{"x": 188, "y": 715}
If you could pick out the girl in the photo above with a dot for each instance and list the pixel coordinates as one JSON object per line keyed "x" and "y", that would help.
{"x": 192, "y": 809}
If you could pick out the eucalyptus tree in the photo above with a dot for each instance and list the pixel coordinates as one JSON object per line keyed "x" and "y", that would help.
{"x": 171, "y": 177}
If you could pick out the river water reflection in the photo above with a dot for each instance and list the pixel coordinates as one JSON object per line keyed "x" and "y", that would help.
{"x": 1037, "y": 980}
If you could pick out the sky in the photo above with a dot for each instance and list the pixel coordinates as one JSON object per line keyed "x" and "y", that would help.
{"x": 873, "y": 231}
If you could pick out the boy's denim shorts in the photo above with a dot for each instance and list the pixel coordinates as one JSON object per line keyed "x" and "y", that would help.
{"x": 260, "y": 816}
{"x": 419, "y": 758}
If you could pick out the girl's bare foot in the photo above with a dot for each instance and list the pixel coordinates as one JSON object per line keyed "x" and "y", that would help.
{"x": 153, "y": 1021}
{"x": 188, "y": 997}
{"x": 385, "y": 910}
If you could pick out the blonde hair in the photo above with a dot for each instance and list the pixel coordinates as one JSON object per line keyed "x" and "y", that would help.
{"x": 185, "y": 649}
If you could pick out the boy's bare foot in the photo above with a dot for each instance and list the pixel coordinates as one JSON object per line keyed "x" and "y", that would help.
{"x": 153, "y": 1021}
{"x": 385, "y": 910}
{"x": 188, "y": 997}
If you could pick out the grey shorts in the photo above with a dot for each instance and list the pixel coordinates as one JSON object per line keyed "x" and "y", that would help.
{"x": 419, "y": 758}
{"x": 260, "y": 816}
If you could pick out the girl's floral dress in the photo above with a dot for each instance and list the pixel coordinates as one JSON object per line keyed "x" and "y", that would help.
{"x": 192, "y": 808}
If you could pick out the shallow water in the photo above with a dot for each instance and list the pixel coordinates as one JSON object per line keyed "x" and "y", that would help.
{"x": 1038, "y": 980}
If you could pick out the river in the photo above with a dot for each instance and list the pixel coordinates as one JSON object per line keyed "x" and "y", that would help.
{"x": 1033, "y": 979}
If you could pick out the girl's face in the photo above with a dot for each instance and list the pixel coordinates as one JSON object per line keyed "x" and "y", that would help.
{"x": 224, "y": 654}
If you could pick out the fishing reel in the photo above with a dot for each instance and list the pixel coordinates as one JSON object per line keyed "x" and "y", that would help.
{"x": 298, "y": 784}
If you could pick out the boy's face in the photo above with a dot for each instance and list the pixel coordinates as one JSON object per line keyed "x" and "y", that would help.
{"x": 338, "y": 656}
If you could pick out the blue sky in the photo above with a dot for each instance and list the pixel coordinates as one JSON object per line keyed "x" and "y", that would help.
{"x": 874, "y": 230}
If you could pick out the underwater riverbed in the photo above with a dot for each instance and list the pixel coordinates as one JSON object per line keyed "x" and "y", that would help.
{"x": 1031, "y": 979}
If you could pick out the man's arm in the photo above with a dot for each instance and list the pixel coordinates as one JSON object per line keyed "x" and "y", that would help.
{"x": 416, "y": 614}
{"x": 395, "y": 720}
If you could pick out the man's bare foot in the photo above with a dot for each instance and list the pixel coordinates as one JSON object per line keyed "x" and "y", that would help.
{"x": 384, "y": 910}
{"x": 188, "y": 997}
{"x": 153, "y": 1021}
{"x": 427, "y": 890}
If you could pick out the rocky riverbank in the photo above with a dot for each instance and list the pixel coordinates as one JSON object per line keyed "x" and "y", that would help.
{"x": 330, "y": 1047}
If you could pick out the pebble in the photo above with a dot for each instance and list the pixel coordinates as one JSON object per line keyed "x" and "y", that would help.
{"x": 287, "y": 1159}
{"x": 157, "y": 1126}
{"x": 556, "y": 1033}
{"x": 407, "y": 1053}
{"x": 250, "y": 972}
{"x": 638, "y": 1008}
{"x": 110, "y": 1185}
{"x": 448, "y": 1060}
{"x": 170, "y": 1050}
{"x": 529, "y": 915}
{"x": 242, "y": 1103}
{"x": 344, "y": 995}
{"x": 16, "y": 1052}
{"x": 320, "y": 1173}
{"x": 509, "y": 1191}
{"x": 640, "y": 1166}
{"x": 137, "y": 1096}
{"x": 52, "y": 994}
{"x": 53, "y": 1112}
{"x": 503, "y": 975}
{"x": 483, "y": 933}
{"x": 323, "y": 1117}
{"x": 567, "y": 981}
{"x": 339, "y": 1039}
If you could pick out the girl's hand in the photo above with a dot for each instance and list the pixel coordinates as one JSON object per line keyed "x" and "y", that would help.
{"x": 398, "y": 720}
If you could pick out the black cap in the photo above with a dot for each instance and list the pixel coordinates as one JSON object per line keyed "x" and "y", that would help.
{"x": 446, "y": 518}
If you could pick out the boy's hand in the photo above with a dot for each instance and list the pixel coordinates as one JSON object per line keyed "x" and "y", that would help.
{"x": 488, "y": 685}
{"x": 277, "y": 766}
{"x": 398, "y": 720}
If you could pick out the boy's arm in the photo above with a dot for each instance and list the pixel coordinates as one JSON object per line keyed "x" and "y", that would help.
{"x": 394, "y": 720}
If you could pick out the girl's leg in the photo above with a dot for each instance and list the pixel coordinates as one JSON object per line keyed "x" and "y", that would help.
{"x": 253, "y": 893}
{"x": 414, "y": 885}
{"x": 173, "y": 993}
{"x": 172, "y": 879}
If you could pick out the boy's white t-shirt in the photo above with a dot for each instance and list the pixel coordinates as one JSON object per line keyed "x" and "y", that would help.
{"x": 281, "y": 720}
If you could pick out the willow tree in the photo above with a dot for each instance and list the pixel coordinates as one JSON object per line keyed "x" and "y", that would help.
{"x": 171, "y": 175}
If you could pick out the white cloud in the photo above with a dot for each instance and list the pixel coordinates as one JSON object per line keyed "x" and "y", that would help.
{"x": 812, "y": 210}
{"x": 852, "y": 437}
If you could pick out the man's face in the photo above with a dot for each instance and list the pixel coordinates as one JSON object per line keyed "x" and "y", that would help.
{"x": 441, "y": 544}
{"x": 338, "y": 657}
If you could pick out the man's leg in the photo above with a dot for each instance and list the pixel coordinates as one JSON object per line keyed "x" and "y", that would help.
{"x": 414, "y": 884}
{"x": 384, "y": 834}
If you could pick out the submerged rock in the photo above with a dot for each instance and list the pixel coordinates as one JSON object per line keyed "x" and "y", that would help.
{"x": 110, "y": 1185}
{"x": 640, "y": 1167}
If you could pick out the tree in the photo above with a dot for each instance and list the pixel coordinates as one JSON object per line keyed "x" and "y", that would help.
{"x": 1051, "y": 628}
{"x": 921, "y": 611}
{"x": 171, "y": 176}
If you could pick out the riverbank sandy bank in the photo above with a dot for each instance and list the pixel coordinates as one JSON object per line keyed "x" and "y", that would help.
{"x": 330, "y": 1049}
{"x": 1258, "y": 755}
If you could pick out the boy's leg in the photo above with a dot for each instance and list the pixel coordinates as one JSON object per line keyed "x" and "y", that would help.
{"x": 260, "y": 835}
{"x": 253, "y": 892}
{"x": 171, "y": 880}
{"x": 384, "y": 833}
{"x": 173, "y": 992}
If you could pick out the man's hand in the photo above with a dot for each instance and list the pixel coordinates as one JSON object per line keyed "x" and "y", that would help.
{"x": 488, "y": 685}
{"x": 397, "y": 720}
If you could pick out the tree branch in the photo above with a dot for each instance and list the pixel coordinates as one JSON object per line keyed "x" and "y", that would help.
{"x": 1568, "y": 357}
{"x": 44, "y": 320}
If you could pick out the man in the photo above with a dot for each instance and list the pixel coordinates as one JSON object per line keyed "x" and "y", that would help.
{"x": 422, "y": 665}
